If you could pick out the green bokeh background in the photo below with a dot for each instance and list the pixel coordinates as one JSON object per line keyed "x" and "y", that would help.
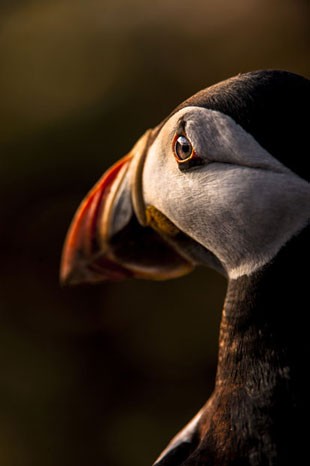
{"x": 106, "y": 375}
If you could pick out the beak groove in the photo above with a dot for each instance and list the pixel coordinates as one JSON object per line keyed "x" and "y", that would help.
{"x": 137, "y": 165}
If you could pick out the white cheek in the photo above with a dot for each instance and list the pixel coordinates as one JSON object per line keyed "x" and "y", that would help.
{"x": 243, "y": 207}
{"x": 241, "y": 215}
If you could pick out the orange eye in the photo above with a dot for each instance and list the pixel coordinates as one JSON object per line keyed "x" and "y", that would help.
{"x": 183, "y": 149}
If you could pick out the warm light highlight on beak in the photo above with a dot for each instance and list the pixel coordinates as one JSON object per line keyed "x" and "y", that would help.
{"x": 82, "y": 260}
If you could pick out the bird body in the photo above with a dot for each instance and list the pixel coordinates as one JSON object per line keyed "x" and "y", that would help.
{"x": 222, "y": 182}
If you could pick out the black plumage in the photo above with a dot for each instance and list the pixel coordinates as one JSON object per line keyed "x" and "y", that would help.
{"x": 258, "y": 414}
{"x": 271, "y": 105}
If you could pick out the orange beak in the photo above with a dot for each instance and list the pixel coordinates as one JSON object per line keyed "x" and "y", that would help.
{"x": 106, "y": 240}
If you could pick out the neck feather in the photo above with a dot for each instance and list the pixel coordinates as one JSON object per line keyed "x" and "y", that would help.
{"x": 260, "y": 404}
{"x": 264, "y": 317}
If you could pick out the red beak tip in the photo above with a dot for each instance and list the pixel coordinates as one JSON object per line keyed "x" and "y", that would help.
{"x": 70, "y": 277}
{"x": 79, "y": 272}
{"x": 80, "y": 277}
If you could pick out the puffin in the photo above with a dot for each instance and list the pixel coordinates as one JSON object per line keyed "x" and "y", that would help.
{"x": 222, "y": 182}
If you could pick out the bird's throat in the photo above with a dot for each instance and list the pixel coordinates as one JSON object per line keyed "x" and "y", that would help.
{"x": 259, "y": 407}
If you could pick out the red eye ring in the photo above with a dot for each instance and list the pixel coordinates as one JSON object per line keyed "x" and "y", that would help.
{"x": 183, "y": 150}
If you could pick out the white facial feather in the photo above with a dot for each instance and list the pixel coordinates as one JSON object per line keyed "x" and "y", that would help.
{"x": 242, "y": 204}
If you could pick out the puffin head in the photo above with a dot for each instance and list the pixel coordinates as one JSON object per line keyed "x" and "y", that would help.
{"x": 222, "y": 182}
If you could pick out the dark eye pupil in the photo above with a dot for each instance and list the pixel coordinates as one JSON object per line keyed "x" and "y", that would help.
{"x": 183, "y": 148}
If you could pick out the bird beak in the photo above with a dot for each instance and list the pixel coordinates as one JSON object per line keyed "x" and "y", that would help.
{"x": 114, "y": 236}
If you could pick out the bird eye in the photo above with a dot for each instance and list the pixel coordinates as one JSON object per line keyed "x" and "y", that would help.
{"x": 183, "y": 149}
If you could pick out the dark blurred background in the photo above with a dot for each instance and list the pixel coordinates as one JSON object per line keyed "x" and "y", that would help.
{"x": 105, "y": 375}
